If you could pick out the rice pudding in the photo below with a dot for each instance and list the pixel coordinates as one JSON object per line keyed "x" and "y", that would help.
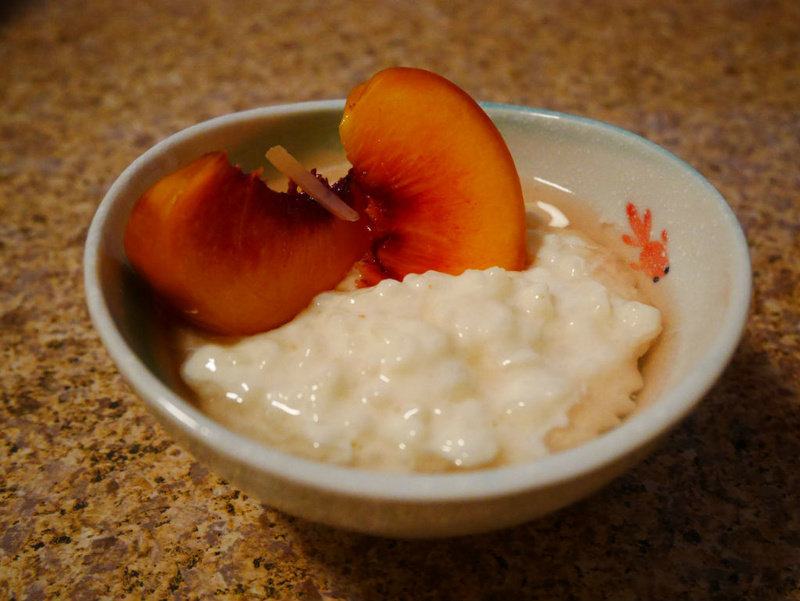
{"x": 442, "y": 372}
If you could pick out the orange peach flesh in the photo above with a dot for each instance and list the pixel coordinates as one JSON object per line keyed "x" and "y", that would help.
{"x": 448, "y": 193}
{"x": 232, "y": 255}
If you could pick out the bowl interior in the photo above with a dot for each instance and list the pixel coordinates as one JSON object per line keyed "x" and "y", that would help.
{"x": 596, "y": 167}
{"x": 605, "y": 168}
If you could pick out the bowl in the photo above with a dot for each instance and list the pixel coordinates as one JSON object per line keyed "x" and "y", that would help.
{"x": 706, "y": 297}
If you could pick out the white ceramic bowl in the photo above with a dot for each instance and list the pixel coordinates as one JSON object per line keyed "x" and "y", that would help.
{"x": 708, "y": 288}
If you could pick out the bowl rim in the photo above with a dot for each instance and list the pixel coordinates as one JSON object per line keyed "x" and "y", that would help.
{"x": 586, "y": 458}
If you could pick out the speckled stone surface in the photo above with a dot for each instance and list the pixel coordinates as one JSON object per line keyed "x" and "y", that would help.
{"x": 97, "y": 502}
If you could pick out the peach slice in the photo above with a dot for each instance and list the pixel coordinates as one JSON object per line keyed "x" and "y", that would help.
{"x": 443, "y": 191}
{"x": 231, "y": 254}
{"x": 433, "y": 187}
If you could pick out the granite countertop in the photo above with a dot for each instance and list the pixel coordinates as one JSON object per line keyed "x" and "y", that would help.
{"x": 97, "y": 502}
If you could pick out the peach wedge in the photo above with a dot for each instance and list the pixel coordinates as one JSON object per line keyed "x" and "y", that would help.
{"x": 443, "y": 191}
{"x": 232, "y": 255}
